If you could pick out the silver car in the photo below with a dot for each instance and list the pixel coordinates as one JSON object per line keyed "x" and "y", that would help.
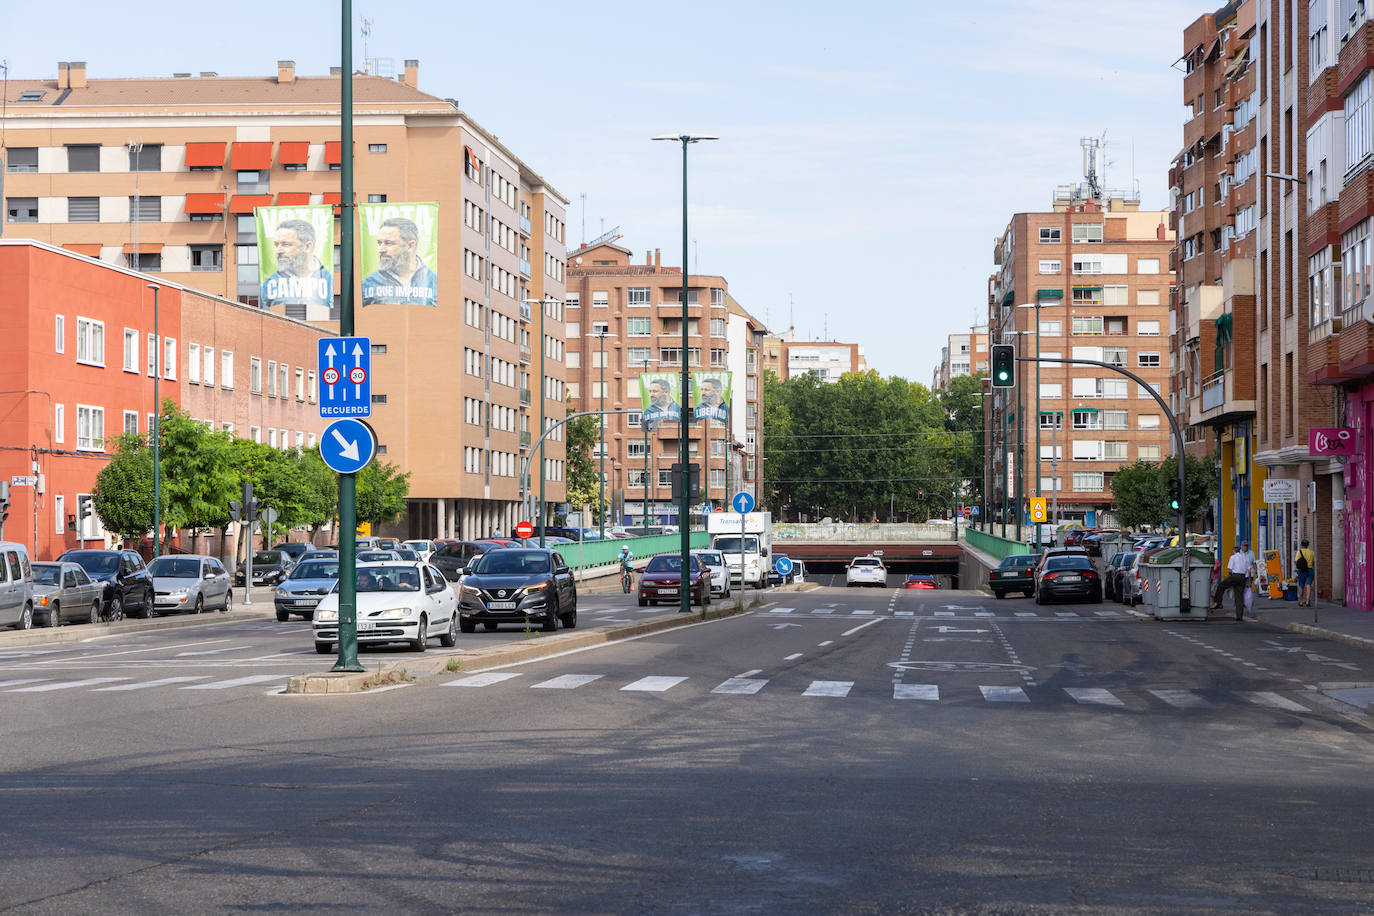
{"x": 191, "y": 583}
{"x": 63, "y": 593}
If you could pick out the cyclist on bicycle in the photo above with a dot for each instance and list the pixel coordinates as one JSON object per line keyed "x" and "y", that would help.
{"x": 626, "y": 570}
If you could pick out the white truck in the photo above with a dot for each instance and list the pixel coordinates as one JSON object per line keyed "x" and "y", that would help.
{"x": 749, "y": 538}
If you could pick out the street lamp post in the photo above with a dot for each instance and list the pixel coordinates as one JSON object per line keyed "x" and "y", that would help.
{"x": 157, "y": 429}
{"x": 685, "y": 505}
{"x": 1038, "y": 480}
{"x": 543, "y": 304}
{"x": 601, "y": 506}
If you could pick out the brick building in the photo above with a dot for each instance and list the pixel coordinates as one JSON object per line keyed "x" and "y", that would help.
{"x": 964, "y": 354}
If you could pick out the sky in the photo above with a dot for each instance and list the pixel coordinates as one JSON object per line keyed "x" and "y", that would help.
{"x": 869, "y": 152}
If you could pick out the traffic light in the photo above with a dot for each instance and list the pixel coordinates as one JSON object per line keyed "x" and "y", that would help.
{"x": 1003, "y": 366}
{"x": 235, "y": 510}
{"x": 1175, "y": 494}
{"x": 84, "y": 509}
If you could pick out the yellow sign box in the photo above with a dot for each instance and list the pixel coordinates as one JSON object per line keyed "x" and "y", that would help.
{"x": 364, "y": 529}
{"x": 1038, "y": 512}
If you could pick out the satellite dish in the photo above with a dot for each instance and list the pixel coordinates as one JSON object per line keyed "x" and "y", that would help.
{"x": 579, "y": 260}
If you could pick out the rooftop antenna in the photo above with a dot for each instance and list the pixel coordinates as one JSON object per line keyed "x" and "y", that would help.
{"x": 367, "y": 33}
{"x": 696, "y": 258}
{"x": 1092, "y": 171}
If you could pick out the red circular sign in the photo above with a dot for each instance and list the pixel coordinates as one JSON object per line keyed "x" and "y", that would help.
{"x": 524, "y": 530}
{"x": 357, "y": 375}
{"x": 331, "y": 376}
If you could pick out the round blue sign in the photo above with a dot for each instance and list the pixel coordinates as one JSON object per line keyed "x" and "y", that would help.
{"x": 743, "y": 502}
{"x": 783, "y": 564}
{"x": 347, "y": 446}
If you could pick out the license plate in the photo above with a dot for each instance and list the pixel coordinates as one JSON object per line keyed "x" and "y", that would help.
{"x": 502, "y": 605}
{"x": 366, "y": 625}
{"x": 1071, "y": 578}
{"x": 306, "y": 603}
{"x": 667, "y": 591}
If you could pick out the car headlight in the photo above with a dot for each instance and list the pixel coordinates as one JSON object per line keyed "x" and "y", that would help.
{"x": 282, "y": 593}
{"x": 178, "y": 593}
{"x": 530, "y": 590}
{"x": 326, "y": 616}
{"x": 392, "y": 613}
{"x": 471, "y": 594}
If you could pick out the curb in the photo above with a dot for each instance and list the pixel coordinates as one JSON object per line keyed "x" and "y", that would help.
{"x": 1308, "y": 629}
{"x": 83, "y": 631}
{"x": 495, "y": 656}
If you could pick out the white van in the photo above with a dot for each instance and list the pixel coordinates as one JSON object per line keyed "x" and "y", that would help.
{"x": 16, "y": 586}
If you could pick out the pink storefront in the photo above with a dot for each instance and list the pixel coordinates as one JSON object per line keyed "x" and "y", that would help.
{"x": 1359, "y": 451}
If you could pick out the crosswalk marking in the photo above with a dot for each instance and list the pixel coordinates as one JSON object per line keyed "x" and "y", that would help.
{"x": 1004, "y": 695}
{"x": 782, "y": 610}
{"x": 1107, "y": 613}
{"x": 567, "y": 681}
{"x": 483, "y": 679}
{"x": 915, "y": 692}
{"x": 1267, "y": 698}
{"x": 1066, "y": 613}
{"x": 654, "y": 684}
{"x": 984, "y": 613}
{"x": 237, "y": 682}
{"x": 944, "y": 613}
{"x": 862, "y": 613}
{"x": 1183, "y": 699}
{"x": 1027, "y": 614}
{"x": 67, "y": 685}
{"x": 904, "y": 614}
{"x": 741, "y": 685}
{"x": 143, "y": 685}
{"x": 1093, "y": 695}
{"x": 828, "y": 689}
{"x": 823, "y": 610}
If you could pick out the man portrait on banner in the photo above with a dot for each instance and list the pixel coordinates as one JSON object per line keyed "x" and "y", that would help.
{"x": 661, "y": 407}
{"x": 401, "y": 277}
{"x": 711, "y": 405}
{"x": 300, "y": 278}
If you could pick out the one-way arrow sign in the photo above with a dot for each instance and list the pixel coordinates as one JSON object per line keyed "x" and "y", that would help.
{"x": 347, "y": 446}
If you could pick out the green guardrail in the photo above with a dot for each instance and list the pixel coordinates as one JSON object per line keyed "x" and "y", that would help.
{"x": 589, "y": 554}
{"x": 991, "y": 544}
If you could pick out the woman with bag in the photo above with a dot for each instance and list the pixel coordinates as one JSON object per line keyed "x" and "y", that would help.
{"x": 1305, "y": 562}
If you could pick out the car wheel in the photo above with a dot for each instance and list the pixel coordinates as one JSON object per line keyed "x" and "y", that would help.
{"x": 1096, "y": 597}
{"x": 146, "y": 611}
{"x": 26, "y": 618}
{"x": 55, "y": 615}
{"x": 997, "y": 594}
{"x": 449, "y": 639}
{"x": 95, "y": 613}
{"x": 200, "y": 604}
{"x": 229, "y": 603}
{"x": 116, "y": 607}
{"x": 550, "y": 622}
{"x": 1039, "y": 598}
{"x": 570, "y": 619}
{"x": 283, "y": 616}
{"x": 421, "y": 640}
{"x": 465, "y": 625}
{"x": 323, "y": 648}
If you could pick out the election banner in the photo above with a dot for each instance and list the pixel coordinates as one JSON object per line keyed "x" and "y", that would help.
{"x": 296, "y": 257}
{"x": 711, "y": 395}
{"x": 400, "y": 253}
{"x": 658, "y": 395}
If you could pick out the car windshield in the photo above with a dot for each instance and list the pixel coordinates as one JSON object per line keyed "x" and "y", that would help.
{"x": 865, "y": 561}
{"x": 731, "y": 544}
{"x": 174, "y": 568}
{"x": 47, "y": 574}
{"x": 511, "y": 563}
{"x": 1068, "y": 563}
{"x": 316, "y": 569}
{"x": 668, "y": 563}
{"x": 1019, "y": 561}
{"x": 266, "y": 557}
{"x": 389, "y": 579}
{"x": 97, "y": 563}
{"x": 375, "y": 556}
{"x": 710, "y": 559}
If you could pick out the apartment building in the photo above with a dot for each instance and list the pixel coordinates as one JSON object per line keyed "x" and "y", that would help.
{"x": 624, "y": 320}
{"x": 163, "y": 174}
{"x": 1088, "y": 279}
{"x": 77, "y": 367}
{"x": 964, "y": 354}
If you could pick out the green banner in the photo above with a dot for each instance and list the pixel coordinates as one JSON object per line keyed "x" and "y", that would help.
{"x": 296, "y": 255}
{"x": 400, "y": 253}
{"x": 711, "y": 395}
{"x": 656, "y": 394}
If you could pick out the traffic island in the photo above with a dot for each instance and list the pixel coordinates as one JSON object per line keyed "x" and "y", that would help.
{"x": 488, "y": 657}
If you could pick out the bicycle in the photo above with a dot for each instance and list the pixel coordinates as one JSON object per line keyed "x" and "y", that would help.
{"x": 627, "y": 580}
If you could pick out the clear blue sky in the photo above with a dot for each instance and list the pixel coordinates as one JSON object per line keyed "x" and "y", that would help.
{"x": 869, "y": 152}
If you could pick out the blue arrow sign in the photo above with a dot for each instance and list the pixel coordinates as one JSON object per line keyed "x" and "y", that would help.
{"x": 347, "y": 446}
{"x": 345, "y": 373}
{"x": 743, "y": 502}
{"x": 783, "y": 564}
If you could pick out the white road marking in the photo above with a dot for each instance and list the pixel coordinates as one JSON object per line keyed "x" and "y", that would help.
{"x": 213, "y": 651}
{"x": 483, "y": 679}
{"x": 751, "y": 672}
{"x": 915, "y": 692}
{"x": 828, "y": 689}
{"x": 1027, "y": 614}
{"x": 1183, "y": 699}
{"x": 159, "y": 683}
{"x": 1266, "y": 698}
{"x": 203, "y": 642}
{"x": 904, "y": 613}
{"x": 782, "y": 610}
{"x": 1067, "y": 613}
{"x": 1004, "y": 695}
{"x": 66, "y": 685}
{"x": 21, "y": 680}
{"x": 853, "y": 630}
{"x": 944, "y": 613}
{"x": 654, "y": 684}
{"x": 1106, "y": 613}
{"x": 984, "y": 613}
{"x": 1093, "y": 695}
{"x": 741, "y": 685}
{"x": 237, "y": 682}
{"x": 828, "y": 642}
{"x": 862, "y": 613}
{"x": 793, "y": 657}
{"x": 823, "y": 610}
{"x": 566, "y": 681}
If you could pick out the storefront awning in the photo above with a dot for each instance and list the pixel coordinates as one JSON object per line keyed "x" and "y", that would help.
{"x": 331, "y": 152}
{"x": 1049, "y": 294}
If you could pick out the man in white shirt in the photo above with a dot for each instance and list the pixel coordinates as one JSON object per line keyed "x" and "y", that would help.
{"x": 1239, "y": 569}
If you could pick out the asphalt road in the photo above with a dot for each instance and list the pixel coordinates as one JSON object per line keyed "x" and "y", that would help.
{"x": 836, "y": 751}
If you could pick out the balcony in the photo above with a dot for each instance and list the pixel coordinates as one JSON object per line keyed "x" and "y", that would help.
{"x": 525, "y": 397}
{"x": 1214, "y": 391}
{"x": 1356, "y": 342}
{"x": 525, "y": 439}
{"x": 525, "y": 311}
{"x": 524, "y": 354}
{"x": 525, "y": 270}
{"x": 526, "y": 228}
{"x": 1226, "y": 396}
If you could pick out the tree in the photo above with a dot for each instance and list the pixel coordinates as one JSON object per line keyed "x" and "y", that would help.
{"x": 123, "y": 492}
{"x": 582, "y": 481}
{"x": 197, "y": 473}
{"x": 381, "y": 493}
{"x": 1140, "y": 492}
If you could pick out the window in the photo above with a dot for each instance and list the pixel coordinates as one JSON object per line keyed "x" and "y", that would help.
{"x": 152, "y": 355}
{"x": 90, "y": 428}
{"x": 83, "y": 209}
{"x": 208, "y": 365}
{"x": 148, "y": 262}
{"x": 255, "y": 375}
{"x": 1147, "y": 328}
{"x": 376, "y": 147}
{"x": 1089, "y": 481}
{"x": 193, "y": 363}
{"x": 90, "y": 342}
{"x": 145, "y": 157}
{"x": 21, "y": 209}
{"x": 1320, "y": 288}
{"x": 1148, "y": 421}
{"x": 1050, "y": 266}
{"x": 638, "y": 327}
{"x": 1049, "y": 236}
{"x": 1087, "y": 450}
{"x": 1147, "y": 265}
{"x": 145, "y": 209}
{"x": 1115, "y": 356}
{"x": 376, "y": 198}
{"x": 1147, "y": 297}
{"x": 300, "y": 384}
{"x": 131, "y": 421}
{"x": 1087, "y": 295}
{"x": 1115, "y": 295}
{"x": 130, "y": 350}
{"x": 1051, "y": 420}
{"x": 1359, "y": 126}
{"x": 717, "y": 327}
{"x": 59, "y": 423}
{"x": 1087, "y": 326}
{"x": 637, "y": 297}
{"x": 1355, "y": 264}
{"x": 1148, "y": 359}
{"x": 83, "y": 158}
{"x": 226, "y": 369}
{"x": 1147, "y": 452}
{"x": 1114, "y": 419}
{"x": 22, "y": 159}
{"x": 310, "y": 386}
{"x": 1086, "y": 264}
{"x": 283, "y": 379}
{"x": 637, "y": 356}
{"x": 207, "y": 257}
{"x": 1087, "y": 232}
{"x": 1086, "y": 419}
{"x": 1051, "y": 391}
{"x": 1052, "y": 452}
{"x": 60, "y": 333}
{"x": 169, "y": 358}
{"x": 600, "y": 298}
{"x": 1051, "y": 327}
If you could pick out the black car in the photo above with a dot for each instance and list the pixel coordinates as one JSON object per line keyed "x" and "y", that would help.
{"x": 1068, "y": 577}
{"x": 1013, "y": 574}
{"x": 294, "y": 549}
{"x": 517, "y": 586}
{"x": 453, "y": 557}
{"x": 128, "y": 584}
{"x": 269, "y": 567}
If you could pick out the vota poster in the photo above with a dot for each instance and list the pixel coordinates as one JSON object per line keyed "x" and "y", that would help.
{"x": 658, "y": 397}
{"x": 711, "y": 395}
{"x": 296, "y": 255}
{"x": 400, "y": 253}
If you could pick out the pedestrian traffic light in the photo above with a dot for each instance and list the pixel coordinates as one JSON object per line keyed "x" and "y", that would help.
{"x": 235, "y": 510}
{"x": 84, "y": 509}
{"x": 1175, "y": 494}
{"x": 1003, "y": 366}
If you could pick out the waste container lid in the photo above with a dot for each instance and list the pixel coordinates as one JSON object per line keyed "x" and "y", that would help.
{"x": 1168, "y": 556}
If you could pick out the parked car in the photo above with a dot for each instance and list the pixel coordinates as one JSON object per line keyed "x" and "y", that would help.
{"x": 867, "y": 570}
{"x": 720, "y": 573}
{"x": 16, "y": 586}
{"x": 269, "y": 568}
{"x": 376, "y": 556}
{"x": 318, "y": 553}
{"x": 1131, "y": 583}
{"x": 918, "y": 581}
{"x": 294, "y": 549}
{"x": 128, "y": 586}
{"x": 410, "y": 556}
{"x": 422, "y": 547}
{"x": 303, "y": 590}
{"x": 190, "y": 582}
{"x": 517, "y": 586}
{"x": 452, "y": 558}
{"x": 1014, "y": 574}
{"x": 62, "y": 592}
{"x": 1050, "y": 552}
{"x": 1114, "y": 573}
{"x": 662, "y": 580}
{"x": 388, "y": 543}
{"x": 1067, "y": 577}
{"x": 397, "y": 602}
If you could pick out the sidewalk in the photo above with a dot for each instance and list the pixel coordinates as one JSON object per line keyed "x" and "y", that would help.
{"x": 1330, "y": 621}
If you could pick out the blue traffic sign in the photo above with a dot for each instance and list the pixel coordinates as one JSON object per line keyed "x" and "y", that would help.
{"x": 347, "y": 446}
{"x": 783, "y": 564}
{"x": 743, "y": 502}
{"x": 345, "y": 372}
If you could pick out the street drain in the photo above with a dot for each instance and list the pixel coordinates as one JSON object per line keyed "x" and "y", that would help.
{"x": 1339, "y": 875}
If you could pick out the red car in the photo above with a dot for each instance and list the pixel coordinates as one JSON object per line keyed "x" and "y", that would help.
{"x": 662, "y": 581}
{"x": 920, "y": 582}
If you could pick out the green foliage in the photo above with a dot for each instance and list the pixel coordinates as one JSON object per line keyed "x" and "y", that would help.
{"x": 196, "y": 471}
{"x": 124, "y": 488}
{"x": 582, "y": 434}
{"x": 381, "y": 493}
{"x": 1140, "y": 492}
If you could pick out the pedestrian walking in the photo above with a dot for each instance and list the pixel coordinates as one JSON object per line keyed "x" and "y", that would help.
{"x": 1239, "y": 569}
{"x": 1305, "y": 562}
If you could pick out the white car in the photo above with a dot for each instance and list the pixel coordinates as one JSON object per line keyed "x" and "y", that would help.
{"x": 397, "y": 602}
{"x": 714, "y": 561}
{"x": 423, "y": 547}
{"x": 866, "y": 571}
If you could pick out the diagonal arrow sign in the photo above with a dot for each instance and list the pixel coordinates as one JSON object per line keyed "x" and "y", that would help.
{"x": 348, "y": 447}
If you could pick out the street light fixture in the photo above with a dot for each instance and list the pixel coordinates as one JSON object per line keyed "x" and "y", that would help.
{"x": 601, "y": 506}
{"x": 543, "y": 303}
{"x": 1038, "y": 481}
{"x": 685, "y": 506}
{"x": 157, "y": 429}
